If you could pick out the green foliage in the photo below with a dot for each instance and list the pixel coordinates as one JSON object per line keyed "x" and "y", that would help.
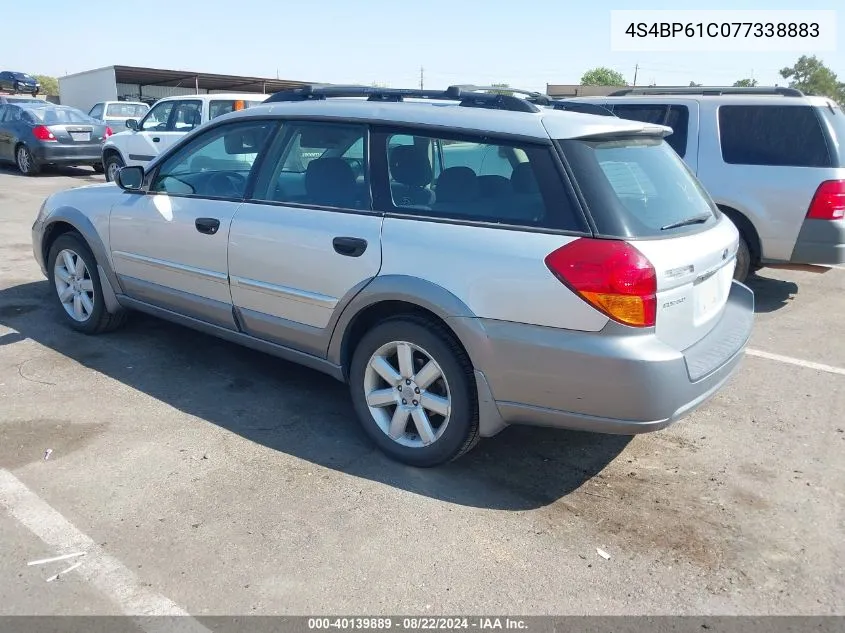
{"x": 49, "y": 85}
{"x": 812, "y": 77}
{"x": 745, "y": 83}
{"x": 603, "y": 77}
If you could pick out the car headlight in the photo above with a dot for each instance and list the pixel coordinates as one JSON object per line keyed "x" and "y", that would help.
{"x": 42, "y": 212}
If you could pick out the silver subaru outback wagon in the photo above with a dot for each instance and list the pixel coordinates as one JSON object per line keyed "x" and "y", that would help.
{"x": 464, "y": 260}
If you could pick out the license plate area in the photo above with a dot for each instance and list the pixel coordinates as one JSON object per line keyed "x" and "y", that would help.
{"x": 81, "y": 136}
{"x": 708, "y": 295}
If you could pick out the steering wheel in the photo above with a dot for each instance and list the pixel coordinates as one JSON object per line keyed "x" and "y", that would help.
{"x": 226, "y": 184}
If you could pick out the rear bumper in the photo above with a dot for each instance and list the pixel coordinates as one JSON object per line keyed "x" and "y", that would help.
{"x": 618, "y": 381}
{"x": 820, "y": 242}
{"x": 67, "y": 154}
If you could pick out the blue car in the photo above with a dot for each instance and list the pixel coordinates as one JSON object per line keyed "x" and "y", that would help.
{"x": 15, "y": 82}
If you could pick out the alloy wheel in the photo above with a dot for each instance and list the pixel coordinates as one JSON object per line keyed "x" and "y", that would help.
{"x": 74, "y": 285}
{"x": 407, "y": 394}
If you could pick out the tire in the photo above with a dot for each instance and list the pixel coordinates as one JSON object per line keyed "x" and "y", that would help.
{"x": 454, "y": 433}
{"x": 34, "y": 93}
{"x": 112, "y": 163}
{"x": 26, "y": 162}
{"x": 98, "y": 168}
{"x": 96, "y": 320}
{"x": 743, "y": 260}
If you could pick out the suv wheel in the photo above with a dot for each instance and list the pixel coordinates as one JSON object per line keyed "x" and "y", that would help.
{"x": 743, "y": 260}
{"x": 72, "y": 269}
{"x": 112, "y": 163}
{"x": 413, "y": 390}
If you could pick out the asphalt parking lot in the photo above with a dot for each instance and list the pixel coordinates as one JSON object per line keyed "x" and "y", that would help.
{"x": 205, "y": 478}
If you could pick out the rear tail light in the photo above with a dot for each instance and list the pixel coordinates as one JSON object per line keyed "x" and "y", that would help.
{"x": 108, "y": 133}
{"x": 42, "y": 133}
{"x": 610, "y": 275}
{"x": 828, "y": 202}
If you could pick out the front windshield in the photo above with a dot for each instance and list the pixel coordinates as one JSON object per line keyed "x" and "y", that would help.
{"x": 24, "y": 77}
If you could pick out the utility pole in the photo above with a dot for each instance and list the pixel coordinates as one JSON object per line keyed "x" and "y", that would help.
{"x": 422, "y": 82}
{"x": 636, "y": 69}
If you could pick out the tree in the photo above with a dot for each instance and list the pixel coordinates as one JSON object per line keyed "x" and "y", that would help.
{"x": 603, "y": 77}
{"x": 745, "y": 83}
{"x": 49, "y": 85}
{"x": 811, "y": 76}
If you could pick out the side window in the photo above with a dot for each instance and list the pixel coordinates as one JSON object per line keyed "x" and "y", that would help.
{"x": 495, "y": 182}
{"x": 97, "y": 111}
{"x": 215, "y": 165}
{"x": 186, "y": 116}
{"x": 156, "y": 119}
{"x": 13, "y": 113}
{"x": 319, "y": 164}
{"x": 772, "y": 135}
{"x": 675, "y": 116}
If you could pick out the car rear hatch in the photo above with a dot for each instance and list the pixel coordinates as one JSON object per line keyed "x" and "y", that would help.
{"x": 638, "y": 191}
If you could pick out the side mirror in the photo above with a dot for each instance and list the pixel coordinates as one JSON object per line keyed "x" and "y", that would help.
{"x": 130, "y": 178}
{"x": 131, "y": 124}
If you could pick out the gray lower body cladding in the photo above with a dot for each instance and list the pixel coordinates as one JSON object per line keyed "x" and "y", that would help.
{"x": 820, "y": 242}
{"x": 616, "y": 381}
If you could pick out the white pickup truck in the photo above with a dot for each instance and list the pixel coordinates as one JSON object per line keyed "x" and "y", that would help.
{"x": 166, "y": 122}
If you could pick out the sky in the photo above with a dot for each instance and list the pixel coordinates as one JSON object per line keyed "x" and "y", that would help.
{"x": 524, "y": 44}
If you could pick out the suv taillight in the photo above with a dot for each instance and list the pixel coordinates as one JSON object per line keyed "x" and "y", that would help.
{"x": 42, "y": 133}
{"x": 828, "y": 202}
{"x": 610, "y": 275}
{"x": 108, "y": 133}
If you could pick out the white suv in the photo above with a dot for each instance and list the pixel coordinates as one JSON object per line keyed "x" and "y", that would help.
{"x": 168, "y": 121}
{"x": 773, "y": 159}
{"x": 464, "y": 264}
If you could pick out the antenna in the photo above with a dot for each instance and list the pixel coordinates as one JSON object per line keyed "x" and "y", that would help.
{"x": 422, "y": 81}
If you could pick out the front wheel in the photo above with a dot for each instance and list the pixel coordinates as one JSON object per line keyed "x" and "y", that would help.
{"x": 413, "y": 390}
{"x": 743, "y": 261}
{"x": 72, "y": 269}
{"x": 112, "y": 164}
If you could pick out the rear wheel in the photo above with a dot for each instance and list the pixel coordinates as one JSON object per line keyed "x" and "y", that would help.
{"x": 413, "y": 390}
{"x": 25, "y": 161}
{"x": 112, "y": 163}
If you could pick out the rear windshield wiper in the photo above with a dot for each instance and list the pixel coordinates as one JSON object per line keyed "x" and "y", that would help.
{"x": 696, "y": 219}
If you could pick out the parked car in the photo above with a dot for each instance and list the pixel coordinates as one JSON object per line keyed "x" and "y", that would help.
{"x": 436, "y": 258}
{"x": 115, "y": 113}
{"x": 165, "y": 123}
{"x": 16, "y": 82}
{"x": 773, "y": 159}
{"x": 37, "y": 134}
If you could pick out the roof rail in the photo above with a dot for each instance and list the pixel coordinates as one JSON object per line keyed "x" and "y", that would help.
{"x": 468, "y": 96}
{"x": 707, "y": 91}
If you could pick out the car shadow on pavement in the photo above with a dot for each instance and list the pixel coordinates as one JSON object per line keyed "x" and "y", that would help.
{"x": 303, "y": 413}
{"x": 53, "y": 170}
{"x": 771, "y": 294}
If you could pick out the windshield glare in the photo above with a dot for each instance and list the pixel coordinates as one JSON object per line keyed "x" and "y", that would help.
{"x": 637, "y": 186}
{"x": 126, "y": 110}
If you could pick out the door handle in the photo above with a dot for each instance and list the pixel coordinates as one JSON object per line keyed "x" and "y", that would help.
{"x": 156, "y": 139}
{"x": 208, "y": 226}
{"x": 349, "y": 246}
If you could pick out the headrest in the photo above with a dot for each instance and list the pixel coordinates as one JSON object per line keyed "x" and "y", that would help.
{"x": 409, "y": 165}
{"x": 457, "y": 184}
{"x": 330, "y": 182}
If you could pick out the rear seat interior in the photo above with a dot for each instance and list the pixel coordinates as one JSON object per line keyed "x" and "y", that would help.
{"x": 460, "y": 191}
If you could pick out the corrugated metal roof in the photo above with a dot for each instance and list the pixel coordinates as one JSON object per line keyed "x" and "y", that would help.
{"x": 204, "y": 81}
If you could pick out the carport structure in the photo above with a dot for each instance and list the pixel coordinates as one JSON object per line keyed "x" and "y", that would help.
{"x": 151, "y": 81}
{"x": 135, "y": 83}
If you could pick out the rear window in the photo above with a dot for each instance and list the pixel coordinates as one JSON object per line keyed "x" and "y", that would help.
{"x": 59, "y": 115}
{"x": 783, "y": 136}
{"x": 638, "y": 187}
{"x": 834, "y": 116}
{"x": 225, "y": 106}
{"x": 126, "y": 110}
